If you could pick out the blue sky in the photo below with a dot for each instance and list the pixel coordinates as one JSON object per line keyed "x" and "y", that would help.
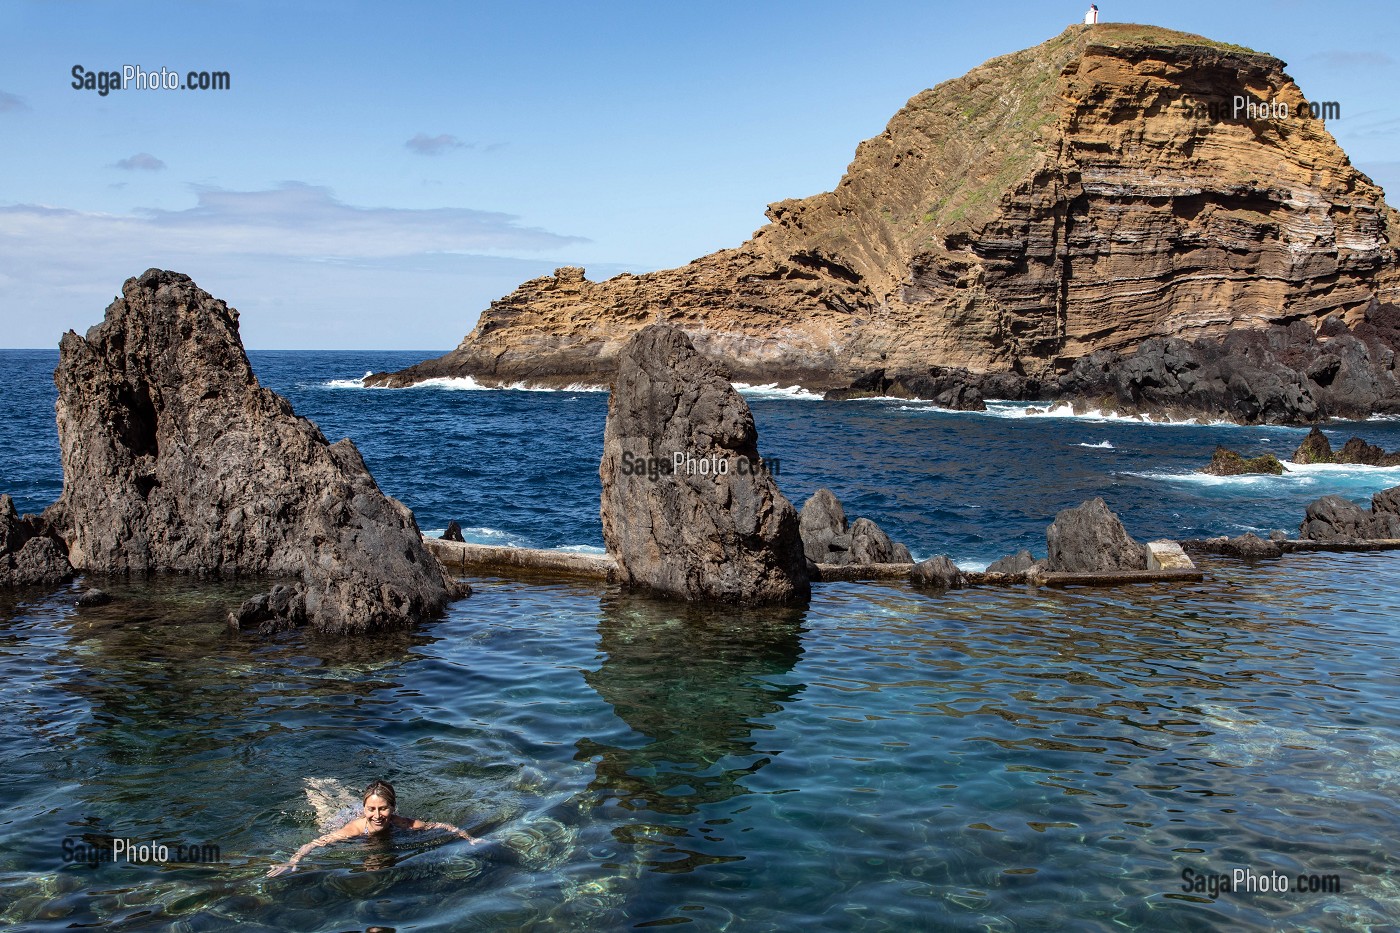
{"x": 378, "y": 173}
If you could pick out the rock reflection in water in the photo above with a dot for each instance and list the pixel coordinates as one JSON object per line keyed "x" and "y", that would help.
{"x": 694, "y": 682}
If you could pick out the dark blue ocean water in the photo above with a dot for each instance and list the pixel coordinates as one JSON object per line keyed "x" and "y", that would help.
{"x": 883, "y": 759}
{"x": 521, "y": 467}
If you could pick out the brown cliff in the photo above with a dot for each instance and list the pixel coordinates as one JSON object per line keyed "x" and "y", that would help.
{"x": 1081, "y": 196}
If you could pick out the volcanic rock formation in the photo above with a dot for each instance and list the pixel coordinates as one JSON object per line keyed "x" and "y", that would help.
{"x": 175, "y": 459}
{"x": 1316, "y": 448}
{"x": 1090, "y": 539}
{"x": 938, "y": 573}
{"x": 1091, "y": 195}
{"x": 30, "y": 552}
{"x": 1020, "y": 563}
{"x": 1333, "y": 518}
{"x": 1227, "y": 462}
{"x": 713, "y": 526}
{"x": 827, "y": 539}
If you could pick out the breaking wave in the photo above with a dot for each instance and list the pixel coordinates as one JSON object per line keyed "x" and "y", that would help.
{"x": 773, "y": 390}
{"x": 461, "y": 384}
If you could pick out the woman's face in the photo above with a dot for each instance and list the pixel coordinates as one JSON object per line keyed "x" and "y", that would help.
{"x": 378, "y": 812}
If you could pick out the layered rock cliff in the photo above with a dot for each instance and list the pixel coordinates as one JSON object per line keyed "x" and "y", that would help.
{"x": 1082, "y": 196}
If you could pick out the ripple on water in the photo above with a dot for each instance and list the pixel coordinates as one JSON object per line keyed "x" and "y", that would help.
{"x": 998, "y": 758}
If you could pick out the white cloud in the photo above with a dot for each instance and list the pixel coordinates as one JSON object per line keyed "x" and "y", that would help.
{"x": 142, "y": 161}
{"x": 307, "y": 269}
{"x": 294, "y": 220}
{"x": 423, "y": 144}
{"x": 1344, "y": 58}
{"x": 9, "y": 103}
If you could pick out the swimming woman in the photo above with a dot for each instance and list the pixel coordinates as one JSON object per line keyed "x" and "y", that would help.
{"x": 380, "y": 805}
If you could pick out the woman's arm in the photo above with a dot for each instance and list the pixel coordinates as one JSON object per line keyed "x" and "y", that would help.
{"x": 352, "y": 828}
{"x": 410, "y": 823}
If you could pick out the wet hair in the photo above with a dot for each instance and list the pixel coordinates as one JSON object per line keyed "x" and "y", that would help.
{"x": 380, "y": 789}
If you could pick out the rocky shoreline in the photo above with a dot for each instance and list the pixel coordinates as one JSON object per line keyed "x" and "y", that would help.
{"x": 177, "y": 461}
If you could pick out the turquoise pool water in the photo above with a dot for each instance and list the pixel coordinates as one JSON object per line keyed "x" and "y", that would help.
{"x": 884, "y": 760}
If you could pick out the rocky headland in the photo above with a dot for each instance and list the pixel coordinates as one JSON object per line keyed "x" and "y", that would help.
{"x": 176, "y": 460}
{"x": 1085, "y": 220}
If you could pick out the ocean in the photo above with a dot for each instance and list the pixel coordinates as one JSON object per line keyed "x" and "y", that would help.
{"x": 883, "y": 759}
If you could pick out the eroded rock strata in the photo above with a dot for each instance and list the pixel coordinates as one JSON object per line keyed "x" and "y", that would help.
{"x": 688, "y": 508}
{"x": 176, "y": 460}
{"x": 1086, "y": 219}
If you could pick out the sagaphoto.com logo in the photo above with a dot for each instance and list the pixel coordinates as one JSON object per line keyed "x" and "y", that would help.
{"x": 134, "y": 77}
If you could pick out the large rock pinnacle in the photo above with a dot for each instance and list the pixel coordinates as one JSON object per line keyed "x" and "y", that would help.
{"x": 176, "y": 460}
{"x": 688, "y": 507}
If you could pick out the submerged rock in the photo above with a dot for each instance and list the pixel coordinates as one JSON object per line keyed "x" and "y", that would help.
{"x": 826, "y": 538}
{"x": 689, "y": 509}
{"x": 31, "y": 554}
{"x": 1228, "y": 463}
{"x": 93, "y": 597}
{"x": 1090, "y": 539}
{"x": 937, "y": 572}
{"x": 176, "y": 460}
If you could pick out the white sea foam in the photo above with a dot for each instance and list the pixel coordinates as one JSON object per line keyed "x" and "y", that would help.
{"x": 1005, "y": 409}
{"x": 582, "y": 549}
{"x": 462, "y": 384}
{"x": 498, "y": 538}
{"x": 492, "y": 536}
{"x": 1341, "y": 469}
{"x": 1346, "y": 478}
{"x": 1192, "y": 478}
{"x": 1101, "y": 445}
{"x": 348, "y": 383}
{"x": 575, "y": 387}
{"x": 773, "y": 390}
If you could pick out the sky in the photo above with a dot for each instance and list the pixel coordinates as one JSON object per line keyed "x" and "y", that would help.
{"x": 376, "y": 174}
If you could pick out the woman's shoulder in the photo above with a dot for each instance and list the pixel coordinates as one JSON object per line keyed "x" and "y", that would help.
{"x": 356, "y": 827}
